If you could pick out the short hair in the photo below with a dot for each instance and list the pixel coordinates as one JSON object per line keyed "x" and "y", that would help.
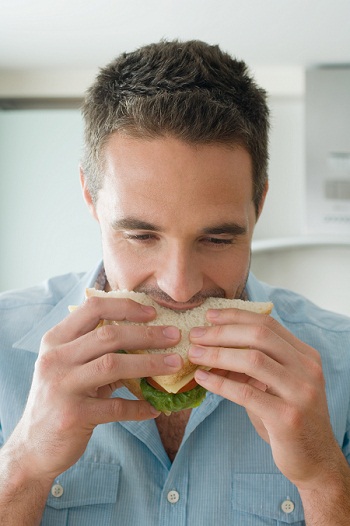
{"x": 190, "y": 90}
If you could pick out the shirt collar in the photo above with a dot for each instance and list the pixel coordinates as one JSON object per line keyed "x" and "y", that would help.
{"x": 31, "y": 341}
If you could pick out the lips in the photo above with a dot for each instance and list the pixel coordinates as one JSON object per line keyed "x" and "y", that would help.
{"x": 181, "y": 307}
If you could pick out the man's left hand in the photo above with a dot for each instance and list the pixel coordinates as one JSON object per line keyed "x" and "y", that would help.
{"x": 258, "y": 364}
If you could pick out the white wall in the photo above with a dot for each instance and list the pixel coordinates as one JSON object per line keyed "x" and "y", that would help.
{"x": 284, "y": 210}
{"x": 45, "y": 227}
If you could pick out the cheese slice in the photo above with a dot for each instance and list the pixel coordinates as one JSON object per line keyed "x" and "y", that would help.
{"x": 175, "y": 387}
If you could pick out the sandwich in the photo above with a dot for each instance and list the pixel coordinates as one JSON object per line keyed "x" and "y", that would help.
{"x": 179, "y": 391}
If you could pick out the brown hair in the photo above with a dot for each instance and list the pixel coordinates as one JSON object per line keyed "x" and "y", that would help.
{"x": 190, "y": 90}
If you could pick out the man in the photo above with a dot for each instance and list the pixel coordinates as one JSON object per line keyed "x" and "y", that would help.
{"x": 175, "y": 172}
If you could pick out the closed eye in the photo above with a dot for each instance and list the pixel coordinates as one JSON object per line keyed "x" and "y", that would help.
{"x": 217, "y": 241}
{"x": 139, "y": 237}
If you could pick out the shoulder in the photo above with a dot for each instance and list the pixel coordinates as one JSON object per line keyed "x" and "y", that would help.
{"x": 19, "y": 309}
{"x": 324, "y": 330}
{"x": 295, "y": 309}
{"x": 49, "y": 293}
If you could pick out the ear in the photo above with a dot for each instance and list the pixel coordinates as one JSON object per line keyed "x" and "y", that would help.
{"x": 87, "y": 196}
{"x": 262, "y": 201}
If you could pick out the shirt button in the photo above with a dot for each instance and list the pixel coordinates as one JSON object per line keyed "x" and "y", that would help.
{"x": 57, "y": 490}
{"x": 287, "y": 506}
{"x": 173, "y": 496}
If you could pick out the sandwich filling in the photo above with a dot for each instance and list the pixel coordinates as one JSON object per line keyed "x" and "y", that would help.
{"x": 171, "y": 402}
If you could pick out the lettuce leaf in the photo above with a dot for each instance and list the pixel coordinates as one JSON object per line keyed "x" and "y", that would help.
{"x": 170, "y": 403}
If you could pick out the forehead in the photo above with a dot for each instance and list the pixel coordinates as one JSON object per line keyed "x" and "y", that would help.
{"x": 167, "y": 174}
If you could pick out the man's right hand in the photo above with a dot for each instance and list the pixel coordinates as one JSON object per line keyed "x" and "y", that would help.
{"x": 77, "y": 370}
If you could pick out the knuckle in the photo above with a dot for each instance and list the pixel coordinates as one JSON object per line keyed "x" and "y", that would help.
{"x": 317, "y": 371}
{"x": 316, "y": 357}
{"x": 115, "y": 409}
{"x": 310, "y": 394}
{"x": 220, "y": 382}
{"x": 92, "y": 304}
{"x": 256, "y": 359}
{"x": 150, "y": 331}
{"x": 142, "y": 410}
{"x": 107, "y": 363}
{"x": 215, "y": 355}
{"x": 270, "y": 322}
{"x": 136, "y": 410}
{"x": 153, "y": 360}
{"x": 48, "y": 339}
{"x": 130, "y": 304}
{"x": 219, "y": 330}
{"x": 107, "y": 332}
{"x": 246, "y": 393}
{"x": 311, "y": 388}
{"x": 261, "y": 333}
{"x": 46, "y": 362}
{"x": 119, "y": 410}
{"x": 51, "y": 372}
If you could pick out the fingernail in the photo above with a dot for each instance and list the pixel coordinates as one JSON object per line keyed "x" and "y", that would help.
{"x": 213, "y": 313}
{"x": 198, "y": 331}
{"x": 148, "y": 309}
{"x": 173, "y": 333}
{"x": 173, "y": 360}
{"x": 196, "y": 352}
{"x": 154, "y": 411}
{"x": 201, "y": 375}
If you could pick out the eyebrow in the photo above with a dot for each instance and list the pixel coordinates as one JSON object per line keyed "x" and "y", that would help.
{"x": 226, "y": 228}
{"x": 133, "y": 223}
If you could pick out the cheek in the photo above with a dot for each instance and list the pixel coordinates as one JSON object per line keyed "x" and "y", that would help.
{"x": 123, "y": 267}
{"x": 231, "y": 271}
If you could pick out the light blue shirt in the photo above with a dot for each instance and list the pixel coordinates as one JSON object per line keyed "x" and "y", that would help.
{"x": 223, "y": 473}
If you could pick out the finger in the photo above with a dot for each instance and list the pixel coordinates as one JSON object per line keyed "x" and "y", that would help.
{"x": 243, "y": 317}
{"x": 250, "y": 362}
{"x": 301, "y": 381}
{"x": 86, "y": 317}
{"x": 112, "y": 338}
{"x": 257, "y": 401}
{"x": 110, "y": 368}
{"x": 240, "y": 377}
{"x": 103, "y": 411}
{"x": 245, "y": 337}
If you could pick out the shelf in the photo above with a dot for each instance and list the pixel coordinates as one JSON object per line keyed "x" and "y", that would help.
{"x": 275, "y": 244}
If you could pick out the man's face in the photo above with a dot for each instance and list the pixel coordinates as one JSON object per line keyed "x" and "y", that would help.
{"x": 176, "y": 219}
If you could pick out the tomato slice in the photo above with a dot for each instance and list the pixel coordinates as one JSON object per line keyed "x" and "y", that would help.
{"x": 190, "y": 385}
{"x": 154, "y": 384}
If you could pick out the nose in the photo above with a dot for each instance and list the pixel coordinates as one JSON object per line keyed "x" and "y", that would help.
{"x": 180, "y": 275}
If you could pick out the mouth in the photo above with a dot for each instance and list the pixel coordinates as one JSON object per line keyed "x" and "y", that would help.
{"x": 178, "y": 307}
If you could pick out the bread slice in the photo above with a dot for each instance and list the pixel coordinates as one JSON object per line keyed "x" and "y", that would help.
{"x": 184, "y": 320}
